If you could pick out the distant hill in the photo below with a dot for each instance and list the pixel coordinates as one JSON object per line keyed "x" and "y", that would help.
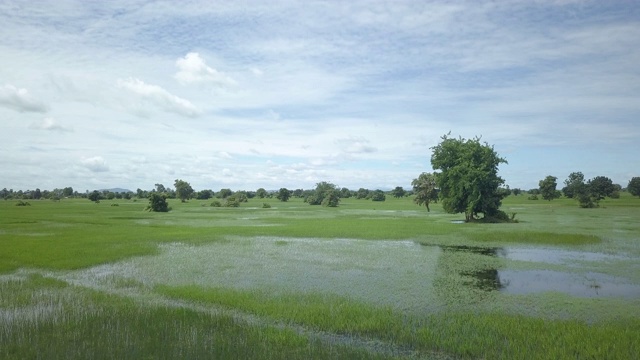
{"x": 117, "y": 190}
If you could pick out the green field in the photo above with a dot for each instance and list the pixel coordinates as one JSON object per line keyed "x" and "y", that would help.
{"x": 365, "y": 280}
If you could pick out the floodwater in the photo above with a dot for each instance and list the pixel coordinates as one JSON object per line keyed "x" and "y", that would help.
{"x": 402, "y": 274}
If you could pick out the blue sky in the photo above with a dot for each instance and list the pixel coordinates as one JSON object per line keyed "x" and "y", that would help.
{"x": 249, "y": 94}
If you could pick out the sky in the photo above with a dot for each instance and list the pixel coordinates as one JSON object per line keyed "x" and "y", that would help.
{"x": 271, "y": 94}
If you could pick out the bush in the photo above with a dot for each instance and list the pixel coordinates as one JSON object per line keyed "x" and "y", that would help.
{"x": 158, "y": 203}
{"x": 378, "y": 195}
{"x": 22, "y": 203}
{"x": 533, "y": 197}
{"x": 232, "y": 201}
{"x": 266, "y": 205}
{"x": 216, "y": 203}
{"x": 115, "y": 205}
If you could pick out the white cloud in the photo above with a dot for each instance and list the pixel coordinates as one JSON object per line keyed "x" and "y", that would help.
{"x": 160, "y": 97}
{"x": 20, "y": 100}
{"x": 49, "y": 124}
{"x": 193, "y": 70}
{"x": 356, "y": 145}
{"x": 95, "y": 164}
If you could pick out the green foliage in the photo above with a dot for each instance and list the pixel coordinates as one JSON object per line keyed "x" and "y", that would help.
{"x": 362, "y": 193}
{"x": 261, "y": 193}
{"x": 425, "y": 190}
{"x": 158, "y": 203}
{"x": 204, "y": 194}
{"x": 283, "y": 194}
{"x": 325, "y": 194}
{"x": 23, "y": 203}
{"x": 95, "y": 196}
{"x": 600, "y": 187}
{"x": 574, "y": 184}
{"x": 184, "y": 191}
{"x": 398, "y": 192}
{"x": 634, "y": 186}
{"x": 533, "y": 197}
{"x": 266, "y": 205}
{"x": 468, "y": 177}
{"x": 224, "y": 193}
{"x": 232, "y": 201}
{"x": 589, "y": 194}
{"x": 378, "y": 195}
{"x": 548, "y": 188}
{"x": 216, "y": 203}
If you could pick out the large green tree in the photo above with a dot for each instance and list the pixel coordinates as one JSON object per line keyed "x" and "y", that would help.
{"x": 548, "y": 188}
{"x": 425, "y": 190}
{"x": 468, "y": 178}
{"x": 183, "y": 190}
{"x": 634, "y": 186}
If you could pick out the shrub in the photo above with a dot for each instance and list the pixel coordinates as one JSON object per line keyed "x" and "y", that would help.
{"x": 266, "y": 205}
{"x": 232, "y": 201}
{"x": 22, "y": 203}
{"x": 216, "y": 203}
{"x": 158, "y": 203}
{"x": 533, "y": 197}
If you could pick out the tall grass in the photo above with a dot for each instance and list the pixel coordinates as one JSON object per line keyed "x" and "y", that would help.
{"x": 60, "y": 322}
{"x": 463, "y": 334}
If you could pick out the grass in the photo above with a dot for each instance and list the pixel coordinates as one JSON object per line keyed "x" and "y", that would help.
{"x": 73, "y": 323}
{"x": 41, "y": 314}
{"x": 72, "y": 234}
{"x": 463, "y": 334}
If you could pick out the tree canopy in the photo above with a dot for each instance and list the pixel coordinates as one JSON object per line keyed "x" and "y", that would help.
{"x": 425, "y": 190}
{"x": 468, "y": 177}
{"x": 284, "y": 194}
{"x": 548, "y": 188}
{"x": 634, "y": 186}
{"x": 183, "y": 190}
{"x": 325, "y": 194}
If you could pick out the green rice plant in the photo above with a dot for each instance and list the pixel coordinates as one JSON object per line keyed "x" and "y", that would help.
{"x": 460, "y": 334}
{"x": 71, "y": 323}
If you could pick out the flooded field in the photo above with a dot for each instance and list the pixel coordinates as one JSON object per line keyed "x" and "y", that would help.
{"x": 302, "y": 282}
{"x": 405, "y": 275}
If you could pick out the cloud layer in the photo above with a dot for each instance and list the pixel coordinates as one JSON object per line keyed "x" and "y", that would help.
{"x": 254, "y": 94}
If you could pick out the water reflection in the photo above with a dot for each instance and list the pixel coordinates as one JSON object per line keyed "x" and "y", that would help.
{"x": 483, "y": 269}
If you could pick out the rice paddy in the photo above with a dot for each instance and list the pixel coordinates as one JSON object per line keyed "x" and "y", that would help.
{"x": 365, "y": 280}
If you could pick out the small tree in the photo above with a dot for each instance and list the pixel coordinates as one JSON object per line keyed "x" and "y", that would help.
{"x": 378, "y": 195}
{"x": 516, "y": 191}
{"x": 548, "y": 188}
{"x": 158, "y": 203}
{"x": 183, "y": 190}
{"x": 398, "y": 192}
{"x": 634, "y": 186}
{"x": 600, "y": 187}
{"x": 261, "y": 193}
{"x": 283, "y": 194}
{"x": 573, "y": 184}
{"x": 331, "y": 198}
{"x": 425, "y": 190}
{"x": 224, "y": 193}
{"x": 95, "y": 196}
{"x": 325, "y": 194}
